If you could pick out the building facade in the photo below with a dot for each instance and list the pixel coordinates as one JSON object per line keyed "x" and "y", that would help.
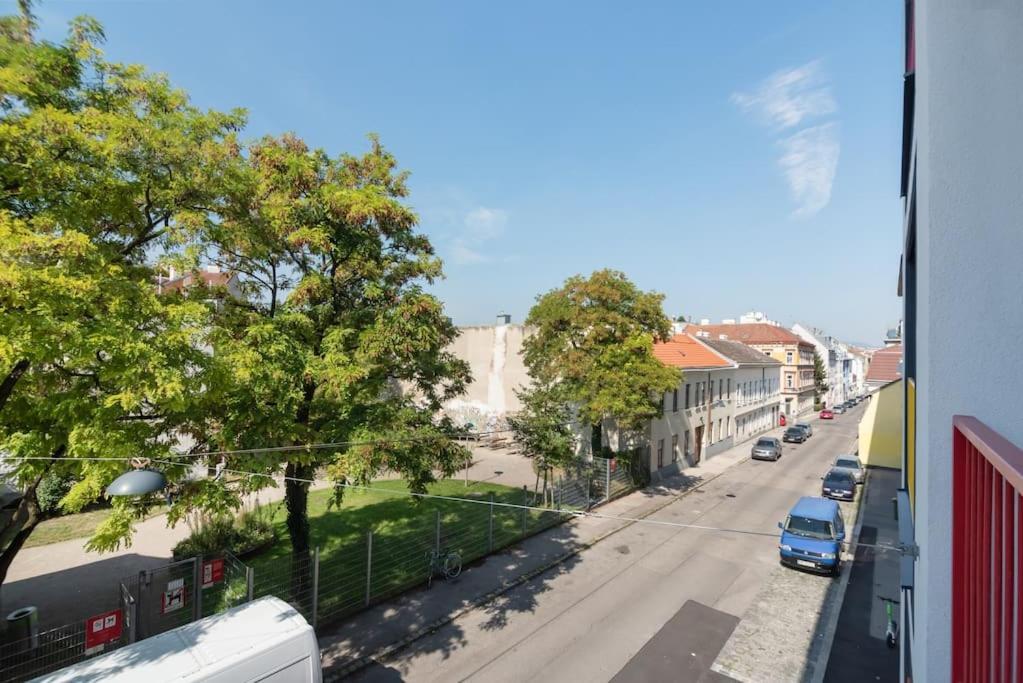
{"x": 729, "y": 393}
{"x": 961, "y": 515}
{"x": 794, "y": 353}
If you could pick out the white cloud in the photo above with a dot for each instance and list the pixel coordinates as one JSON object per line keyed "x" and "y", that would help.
{"x": 785, "y": 100}
{"x": 480, "y": 226}
{"x": 483, "y": 224}
{"x": 787, "y": 97}
{"x": 809, "y": 160}
{"x": 463, "y": 254}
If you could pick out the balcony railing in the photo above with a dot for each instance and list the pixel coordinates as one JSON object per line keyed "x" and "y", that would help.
{"x": 987, "y": 554}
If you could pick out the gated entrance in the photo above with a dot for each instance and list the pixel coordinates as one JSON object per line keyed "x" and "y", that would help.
{"x": 158, "y": 600}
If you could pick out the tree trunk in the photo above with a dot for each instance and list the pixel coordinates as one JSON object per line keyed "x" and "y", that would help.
{"x": 296, "y": 500}
{"x": 7, "y": 387}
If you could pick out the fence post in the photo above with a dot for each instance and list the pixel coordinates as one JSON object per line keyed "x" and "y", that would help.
{"x": 525, "y": 502}
{"x": 607, "y": 479}
{"x": 250, "y": 583}
{"x": 490, "y": 525}
{"x": 369, "y": 565}
{"x": 197, "y": 587}
{"x": 561, "y": 491}
{"x": 436, "y": 544}
{"x": 316, "y": 584}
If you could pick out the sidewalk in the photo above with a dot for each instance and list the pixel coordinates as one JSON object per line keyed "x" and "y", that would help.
{"x": 859, "y": 652}
{"x": 388, "y": 627}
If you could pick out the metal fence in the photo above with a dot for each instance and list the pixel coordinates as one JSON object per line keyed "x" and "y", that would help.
{"x": 325, "y": 585}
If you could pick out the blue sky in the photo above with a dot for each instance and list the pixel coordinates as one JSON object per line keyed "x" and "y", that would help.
{"x": 732, "y": 155}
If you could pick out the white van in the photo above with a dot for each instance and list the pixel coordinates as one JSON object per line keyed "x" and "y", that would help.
{"x": 264, "y": 640}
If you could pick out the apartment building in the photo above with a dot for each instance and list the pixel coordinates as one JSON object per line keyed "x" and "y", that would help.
{"x": 729, "y": 393}
{"x": 961, "y": 509}
{"x": 794, "y": 353}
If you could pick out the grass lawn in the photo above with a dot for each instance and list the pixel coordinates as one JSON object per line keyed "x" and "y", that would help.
{"x": 80, "y": 525}
{"x": 404, "y": 533}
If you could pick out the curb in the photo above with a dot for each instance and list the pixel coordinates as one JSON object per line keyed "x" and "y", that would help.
{"x": 383, "y": 653}
{"x": 820, "y": 665}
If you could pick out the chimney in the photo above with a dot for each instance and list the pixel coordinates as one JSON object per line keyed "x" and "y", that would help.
{"x": 503, "y": 319}
{"x": 705, "y": 321}
{"x": 722, "y": 336}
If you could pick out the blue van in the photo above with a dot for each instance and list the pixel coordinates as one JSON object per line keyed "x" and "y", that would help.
{"x": 812, "y": 535}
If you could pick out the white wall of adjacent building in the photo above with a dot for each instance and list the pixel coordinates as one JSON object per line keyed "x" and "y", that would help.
{"x": 969, "y": 207}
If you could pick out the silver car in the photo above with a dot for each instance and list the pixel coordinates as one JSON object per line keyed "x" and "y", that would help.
{"x": 766, "y": 448}
{"x": 850, "y": 464}
{"x": 805, "y": 427}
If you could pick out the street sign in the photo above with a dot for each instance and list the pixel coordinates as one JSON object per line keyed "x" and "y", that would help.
{"x": 102, "y": 629}
{"x": 174, "y": 597}
{"x": 212, "y": 572}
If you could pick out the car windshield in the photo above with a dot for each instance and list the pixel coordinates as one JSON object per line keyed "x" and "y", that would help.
{"x": 793, "y": 430}
{"x": 837, "y": 479}
{"x": 803, "y": 425}
{"x": 806, "y": 526}
{"x": 765, "y": 442}
{"x": 845, "y": 462}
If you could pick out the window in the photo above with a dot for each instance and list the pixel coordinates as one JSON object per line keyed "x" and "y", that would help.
{"x": 674, "y": 448}
{"x": 788, "y": 380}
{"x": 674, "y": 400}
{"x": 660, "y": 454}
{"x": 721, "y": 430}
{"x": 729, "y": 387}
{"x": 788, "y": 357}
{"x": 686, "y": 443}
{"x": 710, "y": 394}
{"x": 721, "y": 388}
{"x": 687, "y": 395}
{"x": 728, "y": 425}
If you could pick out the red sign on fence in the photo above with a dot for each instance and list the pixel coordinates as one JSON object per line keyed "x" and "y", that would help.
{"x": 212, "y": 572}
{"x": 102, "y": 629}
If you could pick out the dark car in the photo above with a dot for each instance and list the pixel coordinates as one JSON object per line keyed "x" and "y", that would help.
{"x": 766, "y": 448}
{"x": 794, "y": 435}
{"x": 838, "y": 484}
{"x": 806, "y": 428}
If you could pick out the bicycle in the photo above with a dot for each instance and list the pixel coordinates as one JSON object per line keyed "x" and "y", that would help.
{"x": 447, "y": 563}
{"x": 891, "y": 634}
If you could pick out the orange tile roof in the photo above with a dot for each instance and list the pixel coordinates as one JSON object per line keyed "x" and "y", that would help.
{"x": 683, "y": 351}
{"x": 884, "y": 366}
{"x": 751, "y": 333}
{"x": 203, "y": 277}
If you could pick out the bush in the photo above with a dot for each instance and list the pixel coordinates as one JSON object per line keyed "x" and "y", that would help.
{"x": 51, "y": 490}
{"x": 250, "y": 530}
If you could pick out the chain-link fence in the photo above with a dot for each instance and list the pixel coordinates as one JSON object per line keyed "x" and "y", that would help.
{"x": 323, "y": 586}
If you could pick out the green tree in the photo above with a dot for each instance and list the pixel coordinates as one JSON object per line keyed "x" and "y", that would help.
{"x": 543, "y": 428}
{"x": 820, "y": 376}
{"x": 332, "y": 337}
{"x": 593, "y": 342}
{"x": 102, "y": 168}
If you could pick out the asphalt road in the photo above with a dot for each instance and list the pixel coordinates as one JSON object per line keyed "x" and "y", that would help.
{"x": 647, "y": 600}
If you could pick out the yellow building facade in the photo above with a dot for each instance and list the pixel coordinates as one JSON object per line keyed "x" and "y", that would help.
{"x": 880, "y": 429}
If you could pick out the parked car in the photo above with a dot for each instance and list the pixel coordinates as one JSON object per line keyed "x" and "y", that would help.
{"x": 766, "y": 448}
{"x": 852, "y": 464}
{"x": 838, "y": 484}
{"x": 839, "y": 409}
{"x": 794, "y": 435}
{"x": 827, "y": 414}
{"x": 806, "y": 428}
{"x": 812, "y": 535}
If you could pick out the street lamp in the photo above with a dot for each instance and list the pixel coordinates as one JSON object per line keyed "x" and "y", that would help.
{"x": 139, "y": 481}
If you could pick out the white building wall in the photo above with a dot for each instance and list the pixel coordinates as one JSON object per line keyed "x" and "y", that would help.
{"x": 969, "y": 240}
{"x": 751, "y": 404}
